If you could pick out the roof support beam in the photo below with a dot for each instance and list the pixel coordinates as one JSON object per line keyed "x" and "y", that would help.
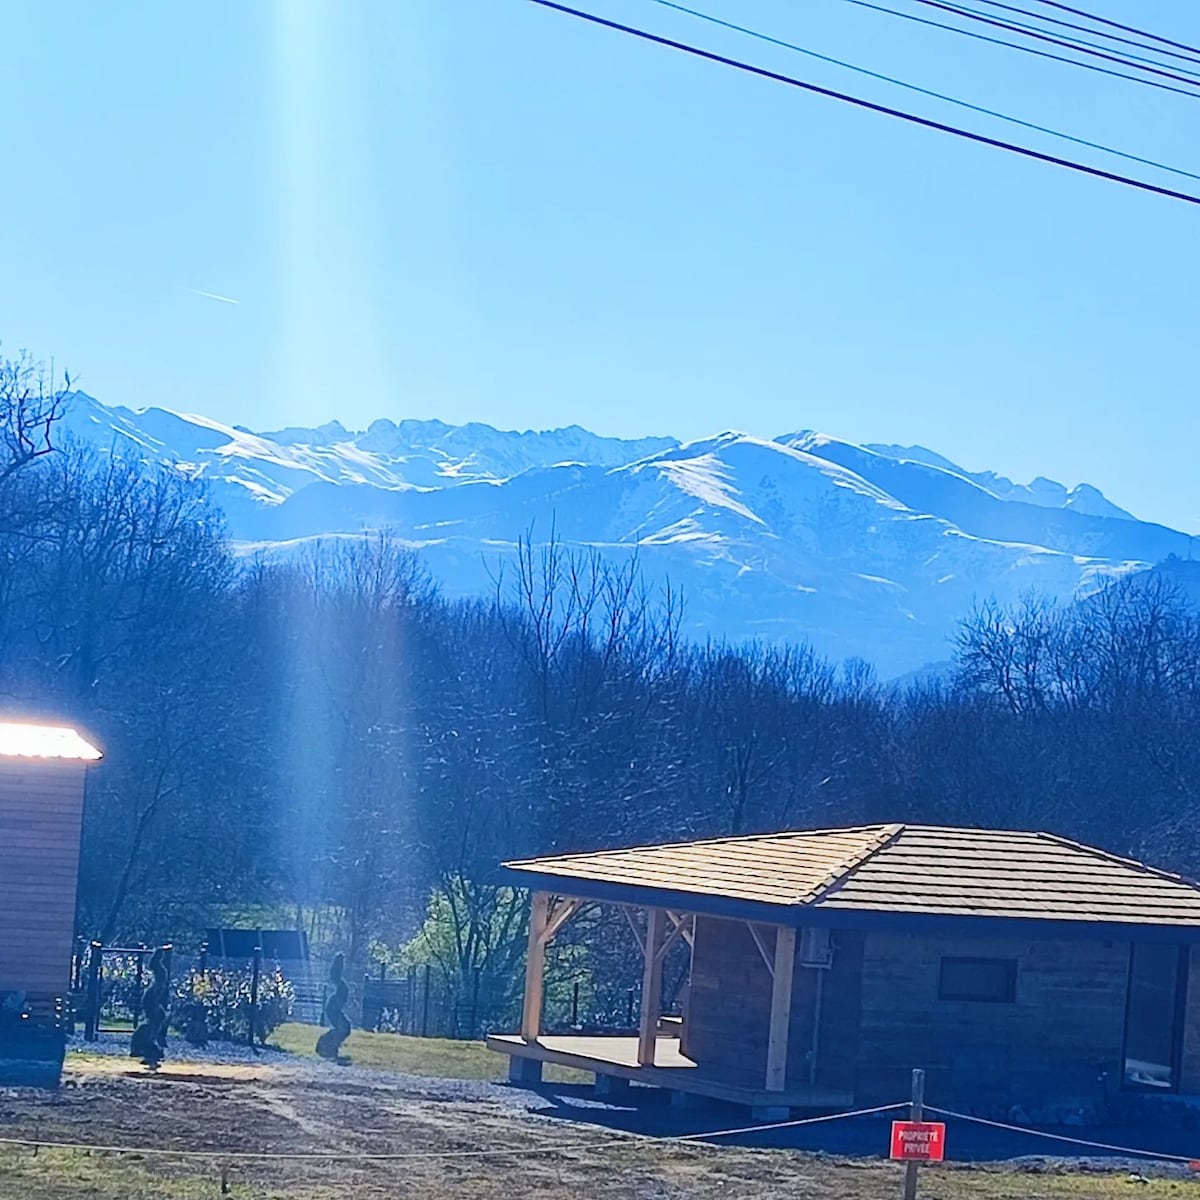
{"x": 561, "y": 911}
{"x": 679, "y": 930}
{"x": 688, "y": 921}
{"x": 627, "y": 913}
{"x": 762, "y": 947}
{"x": 781, "y": 1008}
{"x": 651, "y": 987}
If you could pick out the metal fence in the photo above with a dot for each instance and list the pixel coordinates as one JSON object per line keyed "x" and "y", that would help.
{"x": 428, "y": 1002}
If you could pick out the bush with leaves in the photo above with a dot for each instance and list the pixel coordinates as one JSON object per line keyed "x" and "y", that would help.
{"x": 224, "y": 995}
{"x": 474, "y": 937}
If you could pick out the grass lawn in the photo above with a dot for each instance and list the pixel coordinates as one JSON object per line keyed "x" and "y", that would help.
{"x": 437, "y": 1057}
{"x": 665, "y": 1174}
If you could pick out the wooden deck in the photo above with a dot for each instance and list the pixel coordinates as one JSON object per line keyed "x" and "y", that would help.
{"x": 616, "y": 1056}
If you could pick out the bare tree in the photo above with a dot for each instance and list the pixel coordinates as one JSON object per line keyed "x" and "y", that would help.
{"x": 31, "y": 404}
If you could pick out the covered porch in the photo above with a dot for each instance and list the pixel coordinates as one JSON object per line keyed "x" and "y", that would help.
{"x": 658, "y": 1055}
{"x": 613, "y": 1060}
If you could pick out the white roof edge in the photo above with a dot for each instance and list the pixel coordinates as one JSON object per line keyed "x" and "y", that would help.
{"x": 33, "y": 739}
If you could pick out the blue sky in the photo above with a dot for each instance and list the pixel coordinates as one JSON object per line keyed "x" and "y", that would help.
{"x": 482, "y": 210}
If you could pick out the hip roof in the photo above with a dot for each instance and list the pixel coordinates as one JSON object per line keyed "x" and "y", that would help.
{"x": 828, "y": 876}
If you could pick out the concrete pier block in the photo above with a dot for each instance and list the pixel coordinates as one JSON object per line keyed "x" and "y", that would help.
{"x": 609, "y": 1087}
{"x": 770, "y": 1112}
{"x": 525, "y": 1071}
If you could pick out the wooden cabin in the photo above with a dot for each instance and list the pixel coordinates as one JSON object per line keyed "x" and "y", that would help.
{"x": 42, "y": 770}
{"x": 1026, "y": 974}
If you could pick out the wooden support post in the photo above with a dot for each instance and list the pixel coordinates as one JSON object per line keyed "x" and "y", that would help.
{"x": 781, "y": 1008}
{"x": 535, "y": 967}
{"x": 651, "y": 988}
{"x": 916, "y": 1113}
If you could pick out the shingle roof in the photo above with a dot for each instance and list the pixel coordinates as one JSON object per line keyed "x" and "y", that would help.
{"x": 892, "y": 869}
{"x": 20, "y": 739}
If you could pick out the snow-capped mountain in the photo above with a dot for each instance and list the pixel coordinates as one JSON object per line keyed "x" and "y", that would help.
{"x": 868, "y": 550}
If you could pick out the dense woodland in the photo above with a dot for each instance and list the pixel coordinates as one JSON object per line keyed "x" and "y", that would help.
{"x": 325, "y": 734}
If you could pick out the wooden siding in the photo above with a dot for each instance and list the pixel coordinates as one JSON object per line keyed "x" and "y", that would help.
{"x": 41, "y": 809}
{"x": 1059, "y": 1042}
{"x": 729, "y": 1003}
{"x": 1189, "y": 1058}
{"x": 841, "y": 1014}
{"x": 729, "y": 1008}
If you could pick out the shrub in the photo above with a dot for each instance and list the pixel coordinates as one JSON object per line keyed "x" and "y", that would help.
{"x": 224, "y": 994}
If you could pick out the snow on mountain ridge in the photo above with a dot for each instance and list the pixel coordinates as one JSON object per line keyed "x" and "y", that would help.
{"x": 1048, "y": 493}
{"x": 871, "y": 550}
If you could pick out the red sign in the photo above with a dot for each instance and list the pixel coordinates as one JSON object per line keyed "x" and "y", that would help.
{"x": 919, "y": 1141}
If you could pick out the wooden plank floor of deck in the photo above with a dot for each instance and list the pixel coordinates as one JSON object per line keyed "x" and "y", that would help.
{"x": 617, "y": 1056}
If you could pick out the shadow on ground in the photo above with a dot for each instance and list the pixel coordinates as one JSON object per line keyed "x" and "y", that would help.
{"x": 648, "y": 1110}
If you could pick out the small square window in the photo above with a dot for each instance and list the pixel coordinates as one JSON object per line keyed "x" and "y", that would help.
{"x": 992, "y": 980}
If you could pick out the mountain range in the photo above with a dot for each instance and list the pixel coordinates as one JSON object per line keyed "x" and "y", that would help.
{"x": 866, "y": 550}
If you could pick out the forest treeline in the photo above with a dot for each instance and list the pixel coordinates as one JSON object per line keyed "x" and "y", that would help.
{"x": 325, "y": 732}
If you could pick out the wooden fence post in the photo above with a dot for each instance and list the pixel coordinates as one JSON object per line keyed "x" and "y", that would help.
{"x": 91, "y": 1026}
{"x": 475, "y": 1002}
{"x": 916, "y": 1113}
{"x": 425, "y": 1005}
{"x": 256, "y": 971}
{"x": 136, "y": 1007}
{"x": 410, "y": 1022}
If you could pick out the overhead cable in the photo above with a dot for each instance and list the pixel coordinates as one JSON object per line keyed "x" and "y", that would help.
{"x": 983, "y": 37}
{"x": 1113, "y": 37}
{"x": 912, "y": 87}
{"x": 1076, "y": 44}
{"x": 1079, "y": 12}
{"x": 859, "y": 102}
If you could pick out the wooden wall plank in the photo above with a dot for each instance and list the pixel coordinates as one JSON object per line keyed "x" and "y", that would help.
{"x": 41, "y": 810}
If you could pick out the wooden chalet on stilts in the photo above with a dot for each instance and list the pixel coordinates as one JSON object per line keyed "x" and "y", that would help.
{"x": 1025, "y": 973}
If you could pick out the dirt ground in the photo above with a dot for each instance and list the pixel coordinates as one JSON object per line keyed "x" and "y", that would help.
{"x": 289, "y": 1106}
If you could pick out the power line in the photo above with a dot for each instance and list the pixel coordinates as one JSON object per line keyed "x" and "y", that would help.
{"x": 1113, "y": 37}
{"x": 912, "y": 87}
{"x": 1081, "y": 47}
{"x": 1079, "y": 12}
{"x": 983, "y": 37}
{"x": 858, "y": 102}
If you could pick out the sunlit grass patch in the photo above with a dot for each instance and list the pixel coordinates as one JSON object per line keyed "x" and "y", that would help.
{"x": 441, "y": 1058}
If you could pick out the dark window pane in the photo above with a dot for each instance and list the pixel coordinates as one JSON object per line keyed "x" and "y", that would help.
{"x": 1152, "y": 1016}
{"x": 988, "y": 979}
